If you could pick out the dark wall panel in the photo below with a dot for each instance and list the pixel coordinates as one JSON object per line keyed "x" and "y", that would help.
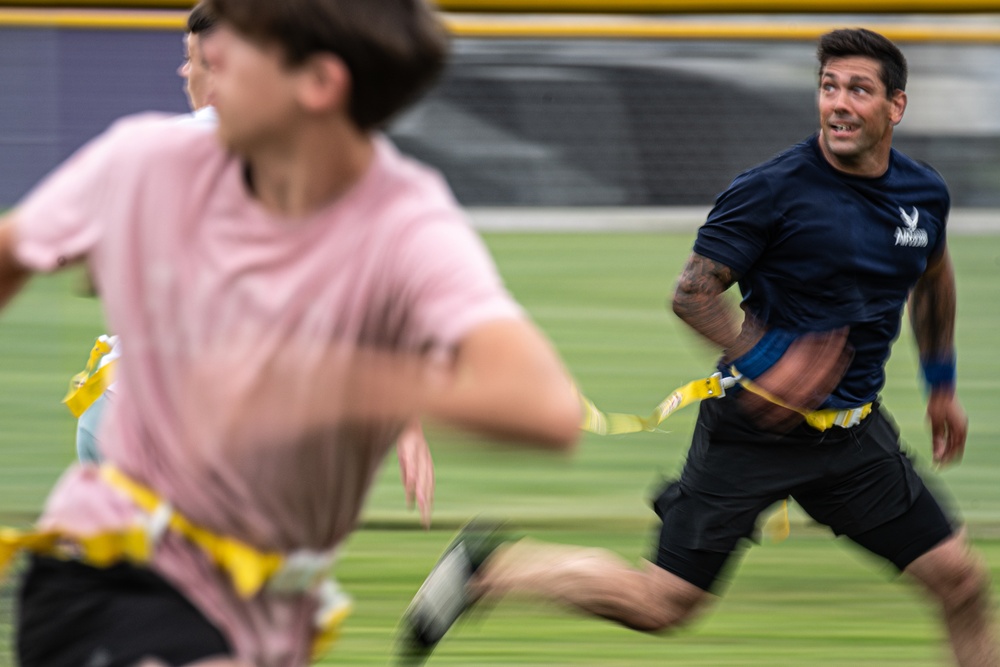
{"x": 59, "y": 88}
{"x": 537, "y": 123}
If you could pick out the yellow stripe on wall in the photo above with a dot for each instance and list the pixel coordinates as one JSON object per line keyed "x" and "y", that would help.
{"x": 101, "y": 4}
{"x": 721, "y": 6}
{"x": 552, "y": 28}
{"x": 613, "y": 6}
{"x": 94, "y": 19}
{"x": 714, "y": 30}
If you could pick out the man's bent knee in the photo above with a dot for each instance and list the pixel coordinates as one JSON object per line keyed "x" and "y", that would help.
{"x": 953, "y": 574}
{"x": 673, "y": 603}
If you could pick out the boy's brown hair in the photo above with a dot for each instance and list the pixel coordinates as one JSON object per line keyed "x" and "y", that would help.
{"x": 394, "y": 49}
{"x": 201, "y": 21}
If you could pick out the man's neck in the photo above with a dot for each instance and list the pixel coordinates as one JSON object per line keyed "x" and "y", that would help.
{"x": 871, "y": 164}
{"x": 299, "y": 177}
{"x": 869, "y": 167}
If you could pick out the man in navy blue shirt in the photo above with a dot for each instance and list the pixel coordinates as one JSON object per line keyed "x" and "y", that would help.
{"x": 826, "y": 241}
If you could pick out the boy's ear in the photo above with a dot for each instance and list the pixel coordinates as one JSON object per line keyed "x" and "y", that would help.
{"x": 325, "y": 83}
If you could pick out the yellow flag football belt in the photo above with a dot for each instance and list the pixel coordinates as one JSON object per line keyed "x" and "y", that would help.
{"x": 87, "y": 386}
{"x": 248, "y": 569}
{"x": 715, "y": 386}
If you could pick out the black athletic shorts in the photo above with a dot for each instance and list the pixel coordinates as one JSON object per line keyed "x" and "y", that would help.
{"x": 73, "y": 615}
{"x": 857, "y": 481}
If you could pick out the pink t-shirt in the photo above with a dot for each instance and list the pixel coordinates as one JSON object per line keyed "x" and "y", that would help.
{"x": 190, "y": 266}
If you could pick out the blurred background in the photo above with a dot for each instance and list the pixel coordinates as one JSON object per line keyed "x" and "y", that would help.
{"x": 548, "y": 110}
{"x": 587, "y": 139}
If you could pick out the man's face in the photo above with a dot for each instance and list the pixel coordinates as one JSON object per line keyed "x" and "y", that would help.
{"x": 195, "y": 72}
{"x": 856, "y": 116}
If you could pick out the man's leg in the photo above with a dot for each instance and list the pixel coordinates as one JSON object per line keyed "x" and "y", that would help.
{"x": 704, "y": 519}
{"x": 876, "y": 498}
{"x": 595, "y": 581}
{"x": 481, "y": 564}
{"x": 957, "y": 579}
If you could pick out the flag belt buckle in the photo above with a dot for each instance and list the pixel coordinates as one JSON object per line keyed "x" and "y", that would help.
{"x": 301, "y": 570}
{"x": 249, "y": 569}
{"x": 824, "y": 420}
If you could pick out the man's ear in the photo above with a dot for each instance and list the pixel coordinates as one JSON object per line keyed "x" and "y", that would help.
{"x": 325, "y": 83}
{"x": 898, "y": 102}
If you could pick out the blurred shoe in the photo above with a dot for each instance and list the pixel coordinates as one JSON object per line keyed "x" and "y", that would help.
{"x": 444, "y": 595}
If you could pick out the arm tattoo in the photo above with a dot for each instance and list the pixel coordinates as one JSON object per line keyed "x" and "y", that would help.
{"x": 698, "y": 301}
{"x": 932, "y": 310}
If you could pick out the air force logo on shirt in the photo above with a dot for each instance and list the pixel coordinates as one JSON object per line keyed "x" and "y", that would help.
{"x": 909, "y": 235}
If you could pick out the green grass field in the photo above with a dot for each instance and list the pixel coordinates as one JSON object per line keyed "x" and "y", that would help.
{"x": 810, "y": 600}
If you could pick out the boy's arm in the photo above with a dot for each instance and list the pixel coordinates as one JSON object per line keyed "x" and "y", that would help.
{"x": 13, "y": 274}
{"x": 507, "y": 381}
{"x": 501, "y": 380}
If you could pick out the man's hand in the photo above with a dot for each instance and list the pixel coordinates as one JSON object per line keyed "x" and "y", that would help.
{"x": 949, "y": 426}
{"x": 801, "y": 379}
{"x": 416, "y": 468}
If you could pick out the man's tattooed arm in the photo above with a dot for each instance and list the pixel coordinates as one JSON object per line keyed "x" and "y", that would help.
{"x": 698, "y": 301}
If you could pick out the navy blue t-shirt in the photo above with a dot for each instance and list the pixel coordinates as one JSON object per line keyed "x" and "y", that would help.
{"x": 816, "y": 249}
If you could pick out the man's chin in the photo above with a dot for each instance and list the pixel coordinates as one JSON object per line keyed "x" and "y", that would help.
{"x": 842, "y": 149}
{"x": 837, "y": 144}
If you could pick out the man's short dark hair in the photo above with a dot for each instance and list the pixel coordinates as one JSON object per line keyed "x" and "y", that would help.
{"x": 201, "y": 20}
{"x": 394, "y": 49}
{"x": 849, "y": 42}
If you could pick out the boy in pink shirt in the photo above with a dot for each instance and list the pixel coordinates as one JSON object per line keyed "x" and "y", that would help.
{"x": 293, "y": 291}
{"x": 415, "y": 462}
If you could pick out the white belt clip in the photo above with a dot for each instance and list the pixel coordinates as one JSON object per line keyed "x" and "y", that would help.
{"x": 302, "y": 571}
{"x": 727, "y": 381}
{"x": 157, "y": 523}
{"x": 334, "y": 603}
{"x": 849, "y": 418}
